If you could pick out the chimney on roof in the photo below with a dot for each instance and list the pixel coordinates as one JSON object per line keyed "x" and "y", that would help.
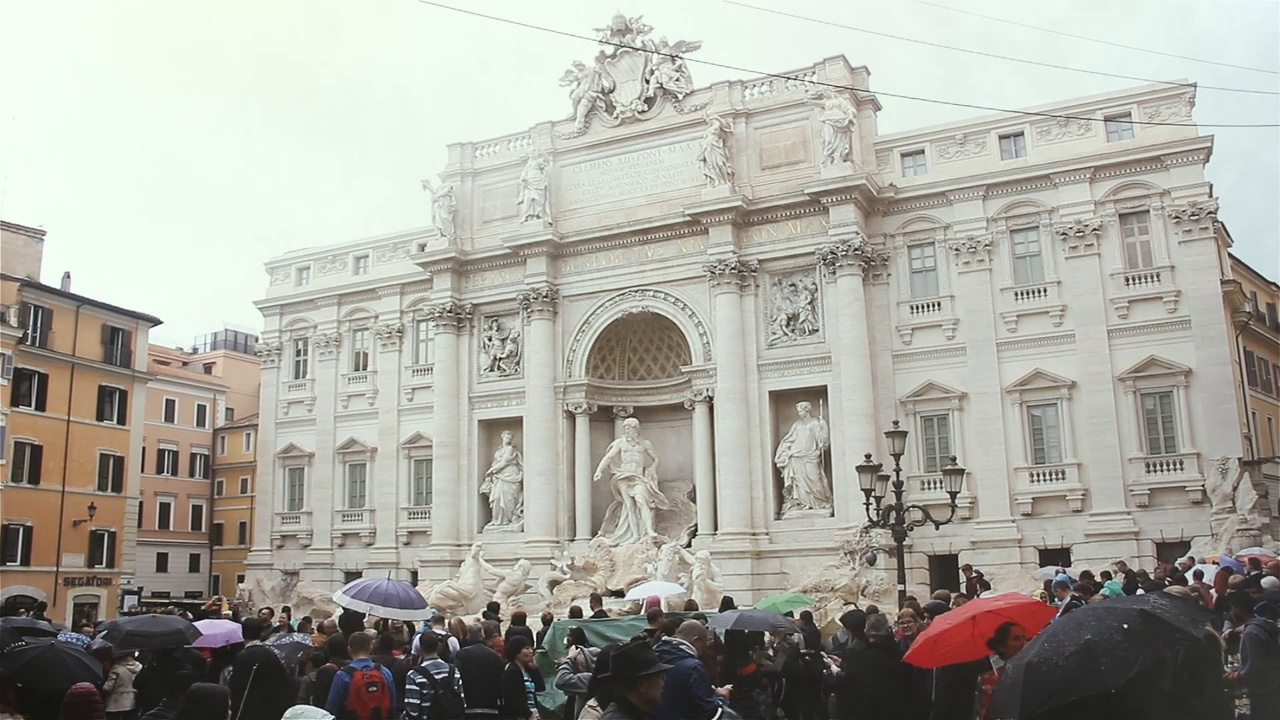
{"x": 66, "y": 282}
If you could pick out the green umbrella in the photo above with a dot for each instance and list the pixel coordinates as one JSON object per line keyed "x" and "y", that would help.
{"x": 784, "y": 603}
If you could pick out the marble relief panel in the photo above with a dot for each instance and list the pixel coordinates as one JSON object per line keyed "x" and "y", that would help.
{"x": 793, "y": 307}
{"x": 501, "y": 351}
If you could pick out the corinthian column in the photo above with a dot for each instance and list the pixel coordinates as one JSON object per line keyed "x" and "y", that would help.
{"x": 847, "y": 259}
{"x": 450, "y": 318}
{"x": 728, "y": 277}
{"x": 582, "y": 468}
{"x": 704, "y": 472}
{"x": 541, "y": 417}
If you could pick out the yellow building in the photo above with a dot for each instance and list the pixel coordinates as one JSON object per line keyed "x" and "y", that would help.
{"x": 234, "y": 466}
{"x": 74, "y": 383}
{"x": 1254, "y": 305}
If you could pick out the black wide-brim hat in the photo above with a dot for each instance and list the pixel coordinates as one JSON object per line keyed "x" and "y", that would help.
{"x": 633, "y": 660}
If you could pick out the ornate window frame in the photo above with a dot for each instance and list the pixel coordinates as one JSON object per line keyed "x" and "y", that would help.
{"x": 1145, "y": 472}
{"x": 916, "y": 313}
{"x": 1062, "y": 479}
{"x": 348, "y": 520}
{"x": 413, "y": 518}
{"x": 934, "y": 398}
{"x": 287, "y": 522}
{"x": 1156, "y": 282}
{"x": 1045, "y": 297}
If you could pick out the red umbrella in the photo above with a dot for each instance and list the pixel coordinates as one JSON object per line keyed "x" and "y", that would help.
{"x": 961, "y": 635}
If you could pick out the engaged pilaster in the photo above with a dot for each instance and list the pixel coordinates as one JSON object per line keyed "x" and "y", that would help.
{"x": 451, "y": 318}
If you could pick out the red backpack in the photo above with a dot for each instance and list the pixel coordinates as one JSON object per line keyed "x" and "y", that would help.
{"x": 369, "y": 695}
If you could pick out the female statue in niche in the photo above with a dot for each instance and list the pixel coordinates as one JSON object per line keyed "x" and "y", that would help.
{"x": 504, "y": 484}
{"x": 804, "y": 481}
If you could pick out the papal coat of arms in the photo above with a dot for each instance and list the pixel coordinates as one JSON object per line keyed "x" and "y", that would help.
{"x": 633, "y": 76}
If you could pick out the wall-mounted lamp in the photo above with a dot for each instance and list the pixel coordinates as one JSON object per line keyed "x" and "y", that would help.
{"x": 93, "y": 510}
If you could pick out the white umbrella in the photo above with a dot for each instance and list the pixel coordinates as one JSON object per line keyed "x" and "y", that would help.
{"x": 1209, "y": 571}
{"x": 1050, "y": 572}
{"x": 661, "y": 588}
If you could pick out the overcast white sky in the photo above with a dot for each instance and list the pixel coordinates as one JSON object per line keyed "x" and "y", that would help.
{"x": 170, "y": 148}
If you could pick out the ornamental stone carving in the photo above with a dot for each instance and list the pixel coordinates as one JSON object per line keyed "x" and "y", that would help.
{"x": 450, "y": 315}
{"x": 443, "y": 208}
{"x": 698, "y": 395}
{"x": 1080, "y": 235}
{"x": 631, "y": 78}
{"x": 270, "y": 353}
{"x": 622, "y": 412}
{"x": 1174, "y": 110}
{"x": 793, "y": 308}
{"x": 1063, "y": 129}
{"x": 281, "y": 276}
{"x": 501, "y": 347}
{"x": 539, "y": 300}
{"x": 713, "y": 152}
{"x": 326, "y": 344}
{"x": 961, "y": 147}
{"x": 1196, "y": 212}
{"x": 389, "y": 335}
{"x": 392, "y": 253}
{"x": 581, "y": 408}
{"x": 534, "y": 200}
{"x": 731, "y": 271}
{"x": 851, "y": 252}
{"x": 973, "y": 251}
{"x": 332, "y": 264}
{"x": 839, "y": 123}
{"x": 799, "y": 457}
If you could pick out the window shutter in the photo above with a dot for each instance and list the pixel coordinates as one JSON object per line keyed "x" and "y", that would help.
{"x": 104, "y": 472}
{"x": 106, "y": 334}
{"x": 111, "y": 549}
{"x": 8, "y": 366}
{"x": 5, "y": 538}
{"x": 191, "y": 465}
{"x": 45, "y": 327}
{"x": 35, "y": 462}
{"x": 95, "y": 548}
{"x": 159, "y": 461}
{"x": 122, "y": 407}
{"x": 142, "y": 459}
{"x": 27, "y": 532}
{"x": 102, "y": 404}
{"x": 117, "y": 473}
{"x": 39, "y": 390}
{"x": 25, "y": 314}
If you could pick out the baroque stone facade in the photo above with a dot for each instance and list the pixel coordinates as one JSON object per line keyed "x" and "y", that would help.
{"x": 1055, "y": 322}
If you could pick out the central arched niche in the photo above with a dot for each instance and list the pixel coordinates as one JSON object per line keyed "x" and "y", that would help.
{"x": 642, "y": 347}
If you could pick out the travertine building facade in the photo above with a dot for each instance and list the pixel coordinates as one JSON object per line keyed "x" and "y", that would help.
{"x": 1038, "y": 295}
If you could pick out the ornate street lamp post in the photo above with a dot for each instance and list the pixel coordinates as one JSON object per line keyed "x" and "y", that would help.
{"x": 895, "y": 516}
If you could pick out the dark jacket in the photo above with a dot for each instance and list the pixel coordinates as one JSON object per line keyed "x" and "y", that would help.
{"x": 515, "y": 700}
{"x": 162, "y": 712}
{"x": 623, "y": 710}
{"x": 873, "y": 682}
{"x": 519, "y": 631}
{"x": 600, "y": 614}
{"x": 1260, "y": 660}
{"x": 481, "y": 670}
{"x": 687, "y": 693}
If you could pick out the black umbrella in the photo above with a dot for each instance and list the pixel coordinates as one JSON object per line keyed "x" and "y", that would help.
{"x": 45, "y": 664}
{"x": 152, "y": 632}
{"x": 14, "y": 629}
{"x": 1096, "y": 649}
{"x": 762, "y": 620}
{"x": 290, "y": 646}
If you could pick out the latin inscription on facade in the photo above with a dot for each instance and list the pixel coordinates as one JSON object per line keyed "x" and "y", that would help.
{"x": 782, "y": 230}
{"x": 634, "y": 254}
{"x": 631, "y": 175}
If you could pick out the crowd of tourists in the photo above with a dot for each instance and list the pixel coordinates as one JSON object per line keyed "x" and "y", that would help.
{"x": 676, "y": 668}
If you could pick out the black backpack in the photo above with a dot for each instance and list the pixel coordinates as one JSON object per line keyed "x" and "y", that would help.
{"x": 446, "y": 700}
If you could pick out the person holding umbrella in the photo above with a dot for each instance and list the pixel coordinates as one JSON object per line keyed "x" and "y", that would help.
{"x": 1259, "y": 670}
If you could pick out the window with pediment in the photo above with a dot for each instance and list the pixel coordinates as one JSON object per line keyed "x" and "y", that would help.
{"x": 1043, "y": 400}
{"x": 1156, "y": 391}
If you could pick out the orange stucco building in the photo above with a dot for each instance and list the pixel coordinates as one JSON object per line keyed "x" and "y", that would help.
{"x": 235, "y": 465}
{"x": 74, "y": 388}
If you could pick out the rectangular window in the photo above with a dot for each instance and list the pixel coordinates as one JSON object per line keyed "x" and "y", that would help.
{"x": 303, "y": 276}
{"x": 162, "y": 562}
{"x": 242, "y": 532}
{"x": 913, "y": 163}
{"x": 247, "y": 441}
{"x": 38, "y": 321}
{"x": 239, "y": 579}
{"x": 102, "y": 548}
{"x": 110, "y": 473}
{"x": 357, "y": 484}
{"x": 208, "y": 368}
{"x": 924, "y": 270}
{"x": 1157, "y": 422}
{"x": 1172, "y": 552}
{"x": 16, "y": 542}
{"x": 1135, "y": 232}
{"x": 1271, "y": 435}
{"x": 228, "y": 414}
{"x": 244, "y": 485}
{"x": 164, "y": 513}
{"x": 222, "y": 445}
{"x": 193, "y": 562}
{"x": 944, "y": 572}
{"x": 1028, "y": 264}
{"x": 6, "y": 366}
{"x": 350, "y": 576}
{"x": 935, "y": 442}
{"x": 360, "y": 350}
{"x": 171, "y": 410}
{"x": 1264, "y": 376}
{"x": 421, "y": 482}
{"x": 1054, "y": 557}
{"x": 424, "y": 342}
{"x": 301, "y": 356}
{"x": 295, "y": 482}
{"x": 1046, "y": 434}
{"x": 219, "y": 487}
{"x": 215, "y": 585}
{"x": 197, "y": 516}
{"x": 1013, "y": 145}
{"x": 360, "y": 265}
{"x": 1251, "y": 368}
{"x": 1119, "y": 127}
{"x": 199, "y": 465}
{"x": 28, "y": 461}
{"x": 167, "y": 462}
{"x": 113, "y": 405}
{"x": 117, "y": 346}
{"x": 1273, "y": 316}
{"x": 202, "y": 416}
{"x": 1254, "y": 430}
{"x": 30, "y": 390}
{"x": 216, "y": 536}
{"x": 141, "y": 512}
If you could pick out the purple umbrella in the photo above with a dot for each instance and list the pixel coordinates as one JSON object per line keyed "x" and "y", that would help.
{"x": 385, "y": 598}
{"x": 218, "y": 633}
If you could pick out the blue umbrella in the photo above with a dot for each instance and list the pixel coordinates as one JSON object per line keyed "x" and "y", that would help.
{"x": 385, "y": 598}
{"x": 1234, "y": 564}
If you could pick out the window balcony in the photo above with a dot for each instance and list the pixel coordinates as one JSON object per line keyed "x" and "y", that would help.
{"x": 1048, "y": 481}
{"x": 292, "y": 524}
{"x": 927, "y": 489}
{"x": 296, "y": 389}
{"x": 1159, "y": 472}
{"x": 1154, "y": 283}
{"x": 413, "y": 519}
{"x": 415, "y": 377}
{"x": 358, "y": 384}
{"x": 353, "y": 522}
{"x": 1020, "y": 300}
{"x": 927, "y": 312}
